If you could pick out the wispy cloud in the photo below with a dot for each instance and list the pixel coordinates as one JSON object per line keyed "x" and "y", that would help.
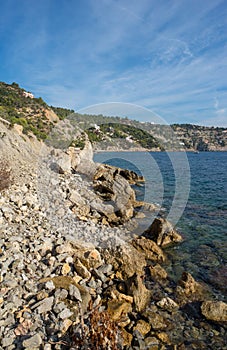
{"x": 169, "y": 56}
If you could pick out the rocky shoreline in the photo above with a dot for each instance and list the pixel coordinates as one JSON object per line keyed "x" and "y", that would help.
{"x": 73, "y": 276}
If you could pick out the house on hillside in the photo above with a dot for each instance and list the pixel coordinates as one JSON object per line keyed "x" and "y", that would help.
{"x": 28, "y": 94}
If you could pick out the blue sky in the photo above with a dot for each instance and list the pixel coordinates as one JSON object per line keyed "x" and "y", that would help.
{"x": 167, "y": 56}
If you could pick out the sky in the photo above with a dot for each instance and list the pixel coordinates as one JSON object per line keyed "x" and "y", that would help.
{"x": 168, "y": 56}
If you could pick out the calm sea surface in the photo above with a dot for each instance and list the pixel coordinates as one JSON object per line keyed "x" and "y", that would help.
{"x": 192, "y": 191}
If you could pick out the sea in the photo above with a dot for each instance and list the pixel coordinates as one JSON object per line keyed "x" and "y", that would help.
{"x": 190, "y": 190}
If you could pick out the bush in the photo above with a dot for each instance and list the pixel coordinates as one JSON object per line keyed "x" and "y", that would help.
{"x": 97, "y": 332}
{"x": 5, "y": 175}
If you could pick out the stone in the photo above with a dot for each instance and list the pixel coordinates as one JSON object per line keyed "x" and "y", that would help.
{"x": 81, "y": 269}
{"x": 32, "y": 342}
{"x": 126, "y": 337}
{"x": 64, "y": 282}
{"x": 163, "y": 337}
{"x": 125, "y": 259}
{"x": 7, "y": 341}
{"x": 143, "y": 327}
{"x": 113, "y": 187}
{"x": 42, "y": 295}
{"x": 76, "y": 198}
{"x": 118, "y": 309}
{"x": 214, "y": 310}
{"x": 149, "y": 248}
{"x": 65, "y": 269}
{"x": 168, "y": 304}
{"x": 44, "y": 305}
{"x": 156, "y": 321}
{"x": 65, "y": 325}
{"x": 66, "y": 313}
{"x": 62, "y": 164}
{"x": 61, "y": 294}
{"x": 74, "y": 292}
{"x": 136, "y": 288}
{"x": 188, "y": 283}
{"x": 50, "y": 285}
{"x": 162, "y": 232}
{"x": 158, "y": 272}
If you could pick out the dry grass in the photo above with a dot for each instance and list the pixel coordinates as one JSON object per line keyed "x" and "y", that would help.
{"x": 97, "y": 331}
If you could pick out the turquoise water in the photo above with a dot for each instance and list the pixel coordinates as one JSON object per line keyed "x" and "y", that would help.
{"x": 199, "y": 208}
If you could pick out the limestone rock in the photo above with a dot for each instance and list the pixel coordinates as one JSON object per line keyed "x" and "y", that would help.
{"x": 81, "y": 269}
{"x": 62, "y": 164}
{"x": 125, "y": 259}
{"x": 118, "y": 309}
{"x": 188, "y": 283}
{"x": 162, "y": 232}
{"x": 126, "y": 337}
{"x": 168, "y": 304}
{"x": 32, "y": 342}
{"x": 149, "y": 248}
{"x": 143, "y": 327}
{"x": 157, "y": 321}
{"x": 215, "y": 310}
{"x": 157, "y": 272}
{"x": 136, "y": 288}
{"x": 113, "y": 187}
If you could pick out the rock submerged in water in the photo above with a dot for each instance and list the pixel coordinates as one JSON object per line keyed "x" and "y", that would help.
{"x": 162, "y": 232}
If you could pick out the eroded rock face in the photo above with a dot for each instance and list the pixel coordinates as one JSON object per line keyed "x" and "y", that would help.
{"x": 215, "y": 310}
{"x": 162, "y": 232}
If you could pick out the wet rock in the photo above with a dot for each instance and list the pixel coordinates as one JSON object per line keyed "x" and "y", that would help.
{"x": 188, "y": 283}
{"x": 158, "y": 272}
{"x": 162, "y": 232}
{"x": 214, "y": 310}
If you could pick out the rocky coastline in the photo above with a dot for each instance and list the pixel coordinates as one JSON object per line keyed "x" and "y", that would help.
{"x": 73, "y": 275}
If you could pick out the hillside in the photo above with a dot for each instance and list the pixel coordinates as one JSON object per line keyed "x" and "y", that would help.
{"x": 18, "y": 106}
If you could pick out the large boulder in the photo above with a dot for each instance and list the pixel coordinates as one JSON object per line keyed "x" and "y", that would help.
{"x": 149, "y": 248}
{"x": 162, "y": 232}
{"x": 115, "y": 189}
{"x": 214, "y": 310}
{"x": 86, "y": 165}
{"x": 124, "y": 258}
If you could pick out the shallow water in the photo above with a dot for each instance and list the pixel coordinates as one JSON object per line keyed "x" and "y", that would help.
{"x": 200, "y": 215}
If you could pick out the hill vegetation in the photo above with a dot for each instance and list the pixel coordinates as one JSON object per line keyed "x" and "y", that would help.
{"x": 17, "y": 106}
